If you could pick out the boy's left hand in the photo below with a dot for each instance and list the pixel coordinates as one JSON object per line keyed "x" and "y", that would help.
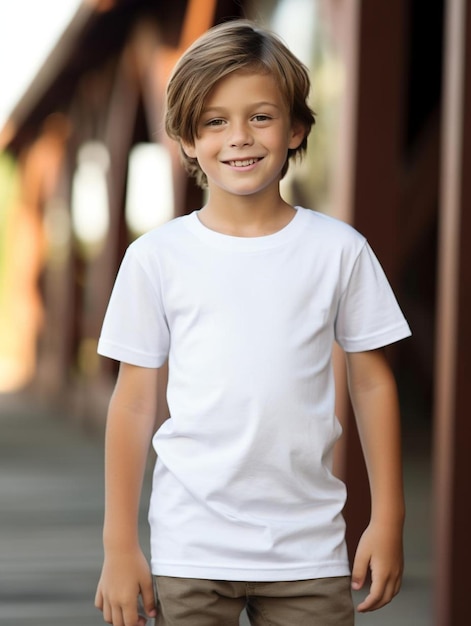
{"x": 380, "y": 551}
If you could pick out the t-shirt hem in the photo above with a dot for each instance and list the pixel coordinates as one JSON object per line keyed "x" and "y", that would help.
{"x": 278, "y": 574}
{"x": 119, "y": 353}
{"x": 379, "y": 340}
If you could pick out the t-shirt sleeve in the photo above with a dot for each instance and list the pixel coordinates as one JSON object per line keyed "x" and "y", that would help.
{"x": 368, "y": 315}
{"x": 135, "y": 328}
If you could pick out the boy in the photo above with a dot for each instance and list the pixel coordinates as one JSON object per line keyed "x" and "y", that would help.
{"x": 245, "y": 298}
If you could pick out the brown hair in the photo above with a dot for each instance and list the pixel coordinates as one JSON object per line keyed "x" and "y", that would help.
{"x": 223, "y": 49}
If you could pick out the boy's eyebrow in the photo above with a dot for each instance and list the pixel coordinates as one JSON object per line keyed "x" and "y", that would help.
{"x": 249, "y": 106}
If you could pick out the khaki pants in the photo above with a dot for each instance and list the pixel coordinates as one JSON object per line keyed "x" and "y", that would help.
{"x": 196, "y": 602}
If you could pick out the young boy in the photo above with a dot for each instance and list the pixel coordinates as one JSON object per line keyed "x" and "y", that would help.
{"x": 245, "y": 298}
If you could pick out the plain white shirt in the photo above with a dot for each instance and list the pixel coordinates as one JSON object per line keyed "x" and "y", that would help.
{"x": 243, "y": 486}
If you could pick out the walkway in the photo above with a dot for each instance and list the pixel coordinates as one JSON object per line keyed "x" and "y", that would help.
{"x": 51, "y": 499}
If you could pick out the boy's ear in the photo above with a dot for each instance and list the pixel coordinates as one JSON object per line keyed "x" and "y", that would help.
{"x": 298, "y": 133}
{"x": 188, "y": 149}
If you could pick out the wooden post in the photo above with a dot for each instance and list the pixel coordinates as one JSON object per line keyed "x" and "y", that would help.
{"x": 452, "y": 436}
{"x": 369, "y": 174}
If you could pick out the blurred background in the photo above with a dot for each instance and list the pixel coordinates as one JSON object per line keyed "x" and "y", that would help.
{"x": 85, "y": 167}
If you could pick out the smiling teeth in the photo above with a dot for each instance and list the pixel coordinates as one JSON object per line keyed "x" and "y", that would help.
{"x": 243, "y": 163}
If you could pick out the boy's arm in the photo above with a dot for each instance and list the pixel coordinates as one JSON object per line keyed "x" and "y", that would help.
{"x": 375, "y": 403}
{"x": 130, "y": 425}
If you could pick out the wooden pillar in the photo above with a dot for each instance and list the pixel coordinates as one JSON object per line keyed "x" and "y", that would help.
{"x": 452, "y": 436}
{"x": 377, "y": 157}
{"x": 368, "y": 183}
{"x": 159, "y": 63}
{"x": 121, "y": 115}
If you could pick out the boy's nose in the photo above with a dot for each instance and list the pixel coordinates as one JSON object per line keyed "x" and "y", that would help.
{"x": 240, "y": 136}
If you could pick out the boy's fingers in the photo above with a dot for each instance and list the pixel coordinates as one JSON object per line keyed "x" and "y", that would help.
{"x": 397, "y": 587}
{"x": 357, "y": 583}
{"x": 359, "y": 572}
{"x": 366, "y": 605}
{"x": 148, "y": 598}
{"x": 116, "y": 617}
{"x": 130, "y": 616}
{"x": 380, "y": 594}
{"x": 99, "y": 599}
{"x": 106, "y": 613}
{"x": 372, "y": 600}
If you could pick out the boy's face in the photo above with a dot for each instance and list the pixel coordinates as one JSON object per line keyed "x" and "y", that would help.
{"x": 244, "y": 134}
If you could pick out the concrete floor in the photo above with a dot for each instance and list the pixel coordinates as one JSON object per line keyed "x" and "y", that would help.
{"x": 51, "y": 511}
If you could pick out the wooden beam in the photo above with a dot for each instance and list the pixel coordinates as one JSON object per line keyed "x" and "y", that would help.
{"x": 369, "y": 176}
{"x": 452, "y": 458}
{"x": 199, "y": 16}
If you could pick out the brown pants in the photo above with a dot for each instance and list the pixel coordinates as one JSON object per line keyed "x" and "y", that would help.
{"x": 196, "y": 602}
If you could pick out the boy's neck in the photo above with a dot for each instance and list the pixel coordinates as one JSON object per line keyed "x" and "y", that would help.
{"x": 246, "y": 216}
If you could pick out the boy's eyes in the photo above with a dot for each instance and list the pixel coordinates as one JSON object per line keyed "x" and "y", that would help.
{"x": 215, "y": 122}
{"x": 260, "y": 117}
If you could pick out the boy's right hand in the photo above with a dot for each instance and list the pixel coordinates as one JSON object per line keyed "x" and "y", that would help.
{"x": 125, "y": 576}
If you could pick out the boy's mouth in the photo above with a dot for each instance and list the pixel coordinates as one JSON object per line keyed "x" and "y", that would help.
{"x": 242, "y": 162}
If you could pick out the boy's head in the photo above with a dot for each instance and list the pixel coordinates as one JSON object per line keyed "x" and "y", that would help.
{"x": 237, "y": 45}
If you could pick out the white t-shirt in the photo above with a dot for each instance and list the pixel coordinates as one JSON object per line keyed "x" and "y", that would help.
{"x": 243, "y": 488}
